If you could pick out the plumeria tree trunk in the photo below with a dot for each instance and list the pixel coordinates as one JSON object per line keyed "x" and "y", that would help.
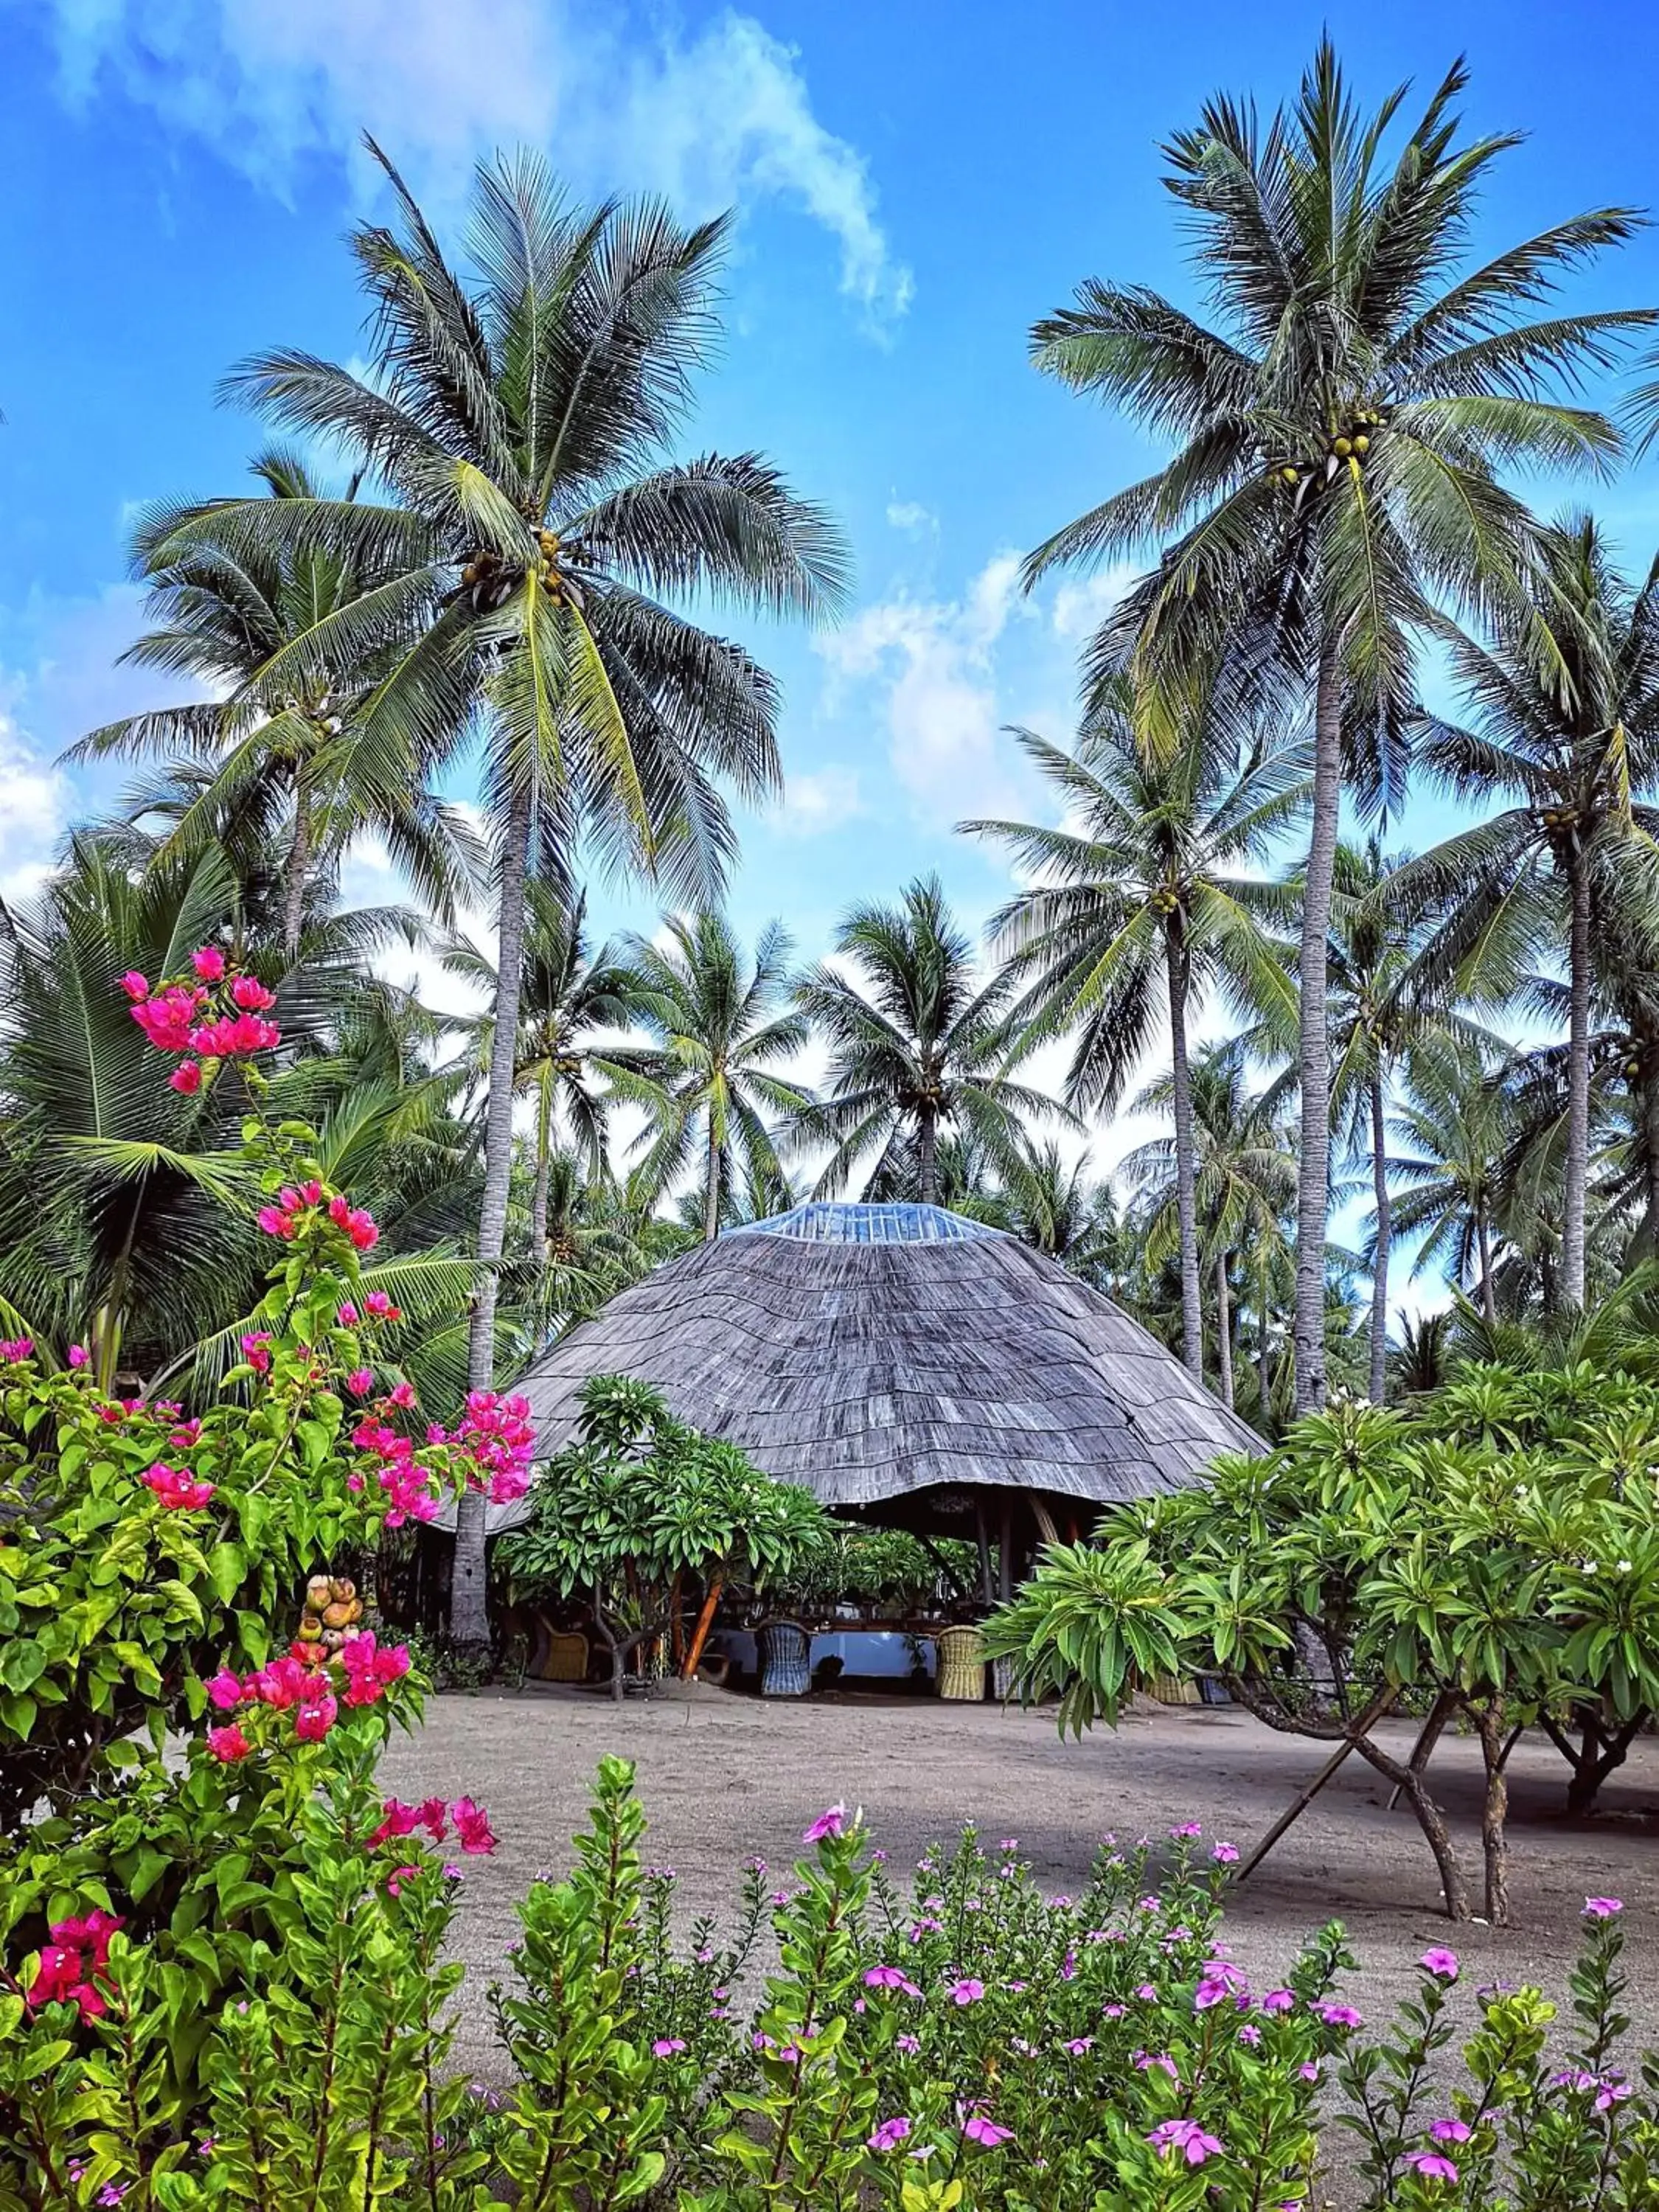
{"x": 469, "y": 1617}
{"x": 1314, "y": 1053}
{"x": 1577, "y": 1173}
{"x": 1384, "y": 1232}
{"x": 1224, "y": 1331}
{"x": 295, "y": 872}
{"x": 1192, "y": 1311}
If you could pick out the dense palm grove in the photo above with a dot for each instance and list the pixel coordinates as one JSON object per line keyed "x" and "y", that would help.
{"x": 1450, "y": 1056}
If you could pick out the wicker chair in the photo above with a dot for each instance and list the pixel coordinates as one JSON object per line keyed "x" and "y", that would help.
{"x": 785, "y": 1647}
{"x": 565, "y": 1659}
{"x": 960, "y": 1662}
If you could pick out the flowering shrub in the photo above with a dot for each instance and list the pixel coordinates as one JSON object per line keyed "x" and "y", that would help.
{"x": 956, "y": 2043}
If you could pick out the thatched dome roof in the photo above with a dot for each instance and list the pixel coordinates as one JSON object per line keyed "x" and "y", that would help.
{"x": 874, "y": 1352}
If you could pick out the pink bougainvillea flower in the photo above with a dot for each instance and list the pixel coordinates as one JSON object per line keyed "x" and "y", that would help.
{"x": 1602, "y": 1908}
{"x": 889, "y": 2134}
{"x": 1185, "y": 2137}
{"x": 178, "y": 1492}
{"x": 313, "y": 1722}
{"x": 228, "y": 1744}
{"x": 1451, "y": 2130}
{"x": 371, "y": 1669}
{"x": 667, "y": 2047}
{"x": 828, "y": 1824}
{"x": 185, "y": 1078}
{"x": 1441, "y": 1963}
{"x": 15, "y": 1349}
{"x": 275, "y": 1223}
{"x": 347, "y": 1315}
{"x": 472, "y": 1827}
{"x": 255, "y": 1350}
{"x": 208, "y": 963}
{"x": 966, "y": 1991}
{"x": 381, "y": 1307}
{"x": 980, "y": 2128}
{"x": 135, "y": 985}
{"x": 226, "y": 1691}
{"x": 248, "y": 992}
{"x": 358, "y": 1224}
{"x": 1431, "y": 2166}
{"x": 401, "y": 1394}
{"x": 398, "y": 1877}
{"x": 890, "y": 1978}
{"x": 360, "y": 1381}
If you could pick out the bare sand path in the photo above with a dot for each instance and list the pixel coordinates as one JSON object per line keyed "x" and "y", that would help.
{"x": 723, "y": 1776}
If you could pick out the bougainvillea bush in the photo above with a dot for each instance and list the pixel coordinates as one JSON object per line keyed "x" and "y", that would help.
{"x": 955, "y": 2041}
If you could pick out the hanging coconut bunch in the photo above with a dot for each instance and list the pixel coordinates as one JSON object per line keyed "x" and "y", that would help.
{"x": 1348, "y": 441}
{"x": 554, "y": 581}
{"x": 331, "y": 1612}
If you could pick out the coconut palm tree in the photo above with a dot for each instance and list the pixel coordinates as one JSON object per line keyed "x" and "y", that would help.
{"x": 1141, "y": 908}
{"x": 517, "y": 419}
{"x": 1244, "y": 1188}
{"x": 919, "y": 1046}
{"x": 279, "y": 760}
{"x": 570, "y": 999}
{"x": 1452, "y": 1124}
{"x": 1060, "y": 1209}
{"x": 1571, "y": 740}
{"x": 720, "y": 1029}
{"x": 1338, "y": 438}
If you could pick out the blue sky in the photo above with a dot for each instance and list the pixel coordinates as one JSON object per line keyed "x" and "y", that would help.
{"x": 916, "y": 183}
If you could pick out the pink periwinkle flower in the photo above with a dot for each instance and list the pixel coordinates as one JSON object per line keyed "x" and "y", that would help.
{"x": 1184, "y": 1829}
{"x": 1602, "y": 1908}
{"x": 1441, "y": 1963}
{"x": 1338, "y": 2015}
{"x": 1144, "y": 2062}
{"x": 909, "y": 2044}
{"x": 1226, "y": 1854}
{"x": 890, "y": 1978}
{"x": 966, "y": 1991}
{"x": 1431, "y": 2166}
{"x": 979, "y": 2128}
{"x": 1185, "y": 2137}
{"x": 889, "y": 2134}
{"x": 1208, "y": 1994}
{"x": 1279, "y": 2001}
{"x": 667, "y": 2047}
{"x": 1078, "y": 2045}
{"x": 1450, "y": 2130}
{"x": 828, "y": 1824}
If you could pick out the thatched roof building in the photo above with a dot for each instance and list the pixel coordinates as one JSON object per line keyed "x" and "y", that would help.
{"x": 900, "y": 1361}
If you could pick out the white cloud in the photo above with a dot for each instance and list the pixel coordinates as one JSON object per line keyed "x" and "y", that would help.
{"x": 821, "y": 800}
{"x": 910, "y": 516}
{"x": 722, "y": 117}
{"x": 933, "y": 664}
{"x": 1081, "y": 608}
{"x": 35, "y": 801}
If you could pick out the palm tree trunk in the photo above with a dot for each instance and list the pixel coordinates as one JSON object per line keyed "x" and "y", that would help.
{"x": 296, "y": 870}
{"x": 544, "y": 1165}
{"x": 1384, "y": 1232}
{"x": 1647, "y": 1093}
{"x": 1264, "y": 1357}
{"x": 711, "y": 1199}
{"x": 1314, "y": 1056}
{"x": 1224, "y": 1331}
{"x": 1488, "y": 1289}
{"x": 929, "y": 1159}
{"x": 468, "y": 1617}
{"x": 1578, "y": 977}
{"x": 1192, "y": 1311}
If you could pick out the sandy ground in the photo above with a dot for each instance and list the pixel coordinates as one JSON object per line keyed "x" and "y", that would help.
{"x": 723, "y": 1776}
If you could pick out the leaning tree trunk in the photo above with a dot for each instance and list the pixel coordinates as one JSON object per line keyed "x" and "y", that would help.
{"x": 1224, "y": 1331}
{"x": 295, "y": 870}
{"x": 469, "y": 1617}
{"x": 1384, "y": 1232}
{"x": 711, "y": 1196}
{"x": 929, "y": 1159}
{"x": 1313, "y": 1052}
{"x": 1577, "y": 1174}
{"x": 1192, "y": 1311}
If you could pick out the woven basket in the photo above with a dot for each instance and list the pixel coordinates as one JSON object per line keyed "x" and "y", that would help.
{"x": 785, "y": 1647}
{"x": 1172, "y": 1690}
{"x": 566, "y": 1657}
{"x": 961, "y": 1663}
